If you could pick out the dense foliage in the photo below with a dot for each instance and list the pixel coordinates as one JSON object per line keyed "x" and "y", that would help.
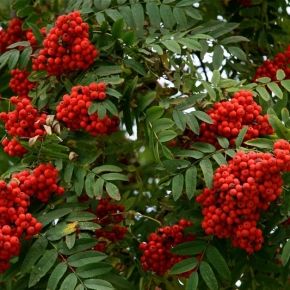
{"x": 145, "y": 144}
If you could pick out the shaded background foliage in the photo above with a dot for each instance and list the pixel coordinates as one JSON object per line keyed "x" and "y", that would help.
{"x": 202, "y": 52}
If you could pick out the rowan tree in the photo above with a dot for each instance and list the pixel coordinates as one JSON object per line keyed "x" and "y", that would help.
{"x": 144, "y": 144}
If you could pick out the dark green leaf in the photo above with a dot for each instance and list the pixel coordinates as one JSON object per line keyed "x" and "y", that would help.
{"x": 240, "y": 138}
{"x": 206, "y": 168}
{"x": 183, "y": 266}
{"x": 237, "y": 52}
{"x": 218, "y": 57}
{"x": 275, "y": 89}
{"x": 172, "y": 45}
{"x": 154, "y": 15}
{"x": 208, "y": 276}
{"x": 190, "y": 248}
{"x": 97, "y": 284}
{"x": 34, "y": 253}
{"x": 113, "y": 191}
{"x": 285, "y": 253}
{"x": 56, "y": 276}
{"x": 263, "y": 93}
{"x": 42, "y": 267}
{"x": 203, "y": 116}
{"x": 167, "y": 135}
{"x": 69, "y": 282}
{"x": 190, "y": 181}
{"x": 286, "y": 84}
{"x": 107, "y": 168}
{"x": 179, "y": 119}
{"x": 280, "y": 75}
{"x": 192, "y": 282}
{"x": 167, "y": 16}
{"x": 224, "y": 142}
{"x": 85, "y": 258}
{"x": 177, "y": 186}
{"x": 117, "y": 28}
{"x": 218, "y": 262}
{"x": 261, "y": 143}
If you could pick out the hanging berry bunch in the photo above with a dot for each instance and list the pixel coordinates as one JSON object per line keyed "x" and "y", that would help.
{"x": 229, "y": 117}
{"x": 19, "y": 82}
{"x": 242, "y": 190}
{"x": 67, "y": 47}
{"x": 109, "y": 216}
{"x": 73, "y": 110}
{"x": 12, "y": 34}
{"x": 15, "y": 220}
{"x": 41, "y": 183}
{"x": 157, "y": 256}
{"x": 24, "y": 122}
{"x": 270, "y": 67}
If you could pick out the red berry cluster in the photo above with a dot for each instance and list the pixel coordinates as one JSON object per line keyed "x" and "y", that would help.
{"x": 73, "y": 110}
{"x": 13, "y": 147}
{"x": 67, "y": 47}
{"x": 12, "y": 34}
{"x": 157, "y": 256}
{"x": 19, "y": 82}
{"x": 109, "y": 216}
{"x": 41, "y": 183}
{"x": 242, "y": 190}
{"x": 24, "y": 121}
{"x": 229, "y": 117}
{"x": 15, "y": 221}
{"x": 270, "y": 67}
{"x": 31, "y": 37}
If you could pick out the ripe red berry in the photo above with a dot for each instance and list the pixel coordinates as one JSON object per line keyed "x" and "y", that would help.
{"x": 228, "y": 118}
{"x": 73, "y": 110}
{"x": 233, "y": 206}
{"x": 156, "y": 252}
{"x": 67, "y": 47}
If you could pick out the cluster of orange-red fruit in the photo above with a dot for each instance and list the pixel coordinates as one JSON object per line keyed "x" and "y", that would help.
{"x": 14, "y": 33}
{"x": 19, "y": 82}
{"x": 156, "y": 252}
{"x": 109, "y": 216}
{"x": 15, "y": 220}
{"x": 23, "y": 122}
{"x": 242, "y": 190}
{"x": 67, "y": 47}
{"x": 228, "y": 118}
{"x": 270, "y": 67}
{"x": 73, "y": 110}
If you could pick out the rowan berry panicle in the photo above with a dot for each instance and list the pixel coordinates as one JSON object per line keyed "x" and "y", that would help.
{"x": 270, "y": 67}
{"x": 242, "y": 190}
{"x": 67, "y": 47}
{"x": 229, "y": 117}
{"x": 109, "y": 216}
{"x": 19, "y": 83}
{"x": 24, "y": 120}
{"x": 73, "y": 110}
{"x": 41, "y": 183}
{"x": 12, "y": 34}
{"x": 13, "y": 147}
{"x": 157, "y": 256}
{"x": 15, "y": 221}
